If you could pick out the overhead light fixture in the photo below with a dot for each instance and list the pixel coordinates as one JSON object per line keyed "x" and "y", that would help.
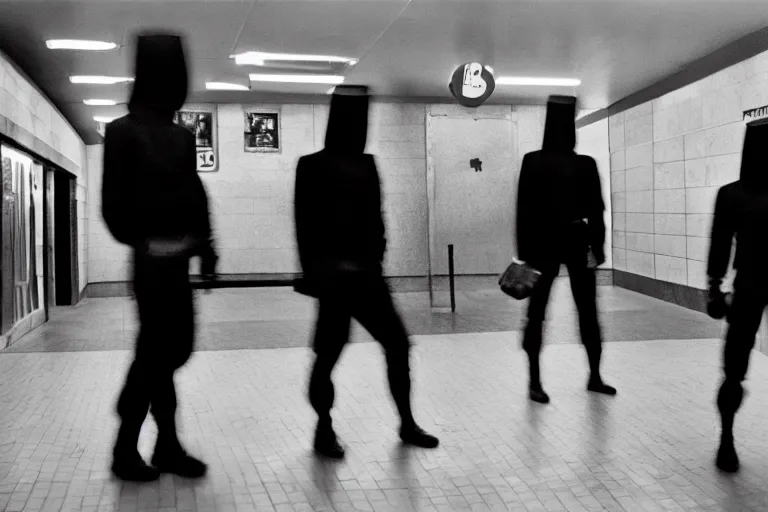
{"x": 555, "y": 82}
{"x": 100, "y": 103}
{"x": 259, "y": 58}
{"x": 225, "y": 86}
{"x": 78, "y": 44}
{"x": 99, "y": 80}
{"x": 102, "y": 119}
{"x": 299, "y": 79}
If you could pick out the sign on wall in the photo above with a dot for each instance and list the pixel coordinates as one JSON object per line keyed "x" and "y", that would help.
{"x": 202, "y": 123}
{"x": 262, "y": 131}
{"x": 472, "y": 84}
{"x": 755, "y": 114}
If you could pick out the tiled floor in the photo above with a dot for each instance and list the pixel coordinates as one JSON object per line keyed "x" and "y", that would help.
{"x": 244, "y": 412}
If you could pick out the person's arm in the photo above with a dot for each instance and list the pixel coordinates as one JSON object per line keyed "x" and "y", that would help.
{"x": 305, "y": 216}
{"x": 596, "y": 213}
{"x": 525, "y": 211}
{"x": 118, "y": 190}
{"x": 721, "y": 242}
{"x": 381, "y": 229}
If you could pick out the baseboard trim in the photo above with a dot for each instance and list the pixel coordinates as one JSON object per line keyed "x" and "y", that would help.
{"x": 679, "y": 294}
{"x": 25, "y": 325}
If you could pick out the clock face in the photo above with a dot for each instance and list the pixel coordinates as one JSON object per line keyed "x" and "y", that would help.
{"x": 472, "y": 84}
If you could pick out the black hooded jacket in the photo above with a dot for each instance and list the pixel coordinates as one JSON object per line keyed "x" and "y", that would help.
{"x": 337, "y": 202}
{"x": 151, "y": 188}
{"x": 558, "y": 187}
{"x": 741, "y": 213}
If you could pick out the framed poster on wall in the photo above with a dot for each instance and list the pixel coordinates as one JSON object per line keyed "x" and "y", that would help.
{"x": 262, "y": 131}
{"x": 201, "y": 121}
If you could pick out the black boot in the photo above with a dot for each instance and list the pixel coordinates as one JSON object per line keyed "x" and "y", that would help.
{"x": 596, "y": 385}
{"x": 537, "y": 394}
{"x": 414, "y": 435}
{"x": 170, "y": 457}
{"x": 127, "y": 463}
{"x": 727, "y": 459}
{"x": 326, "y": 442}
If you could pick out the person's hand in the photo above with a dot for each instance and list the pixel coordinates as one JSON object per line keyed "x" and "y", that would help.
{"x": 208, "y": 264}
{"x": 717, "y": 307}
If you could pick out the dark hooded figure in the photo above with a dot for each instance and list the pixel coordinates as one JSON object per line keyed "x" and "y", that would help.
{"x": 154, "y": 201}
{"x": 741, "y": 214}
{"x": 341, "y": 241}
{"x": 559, "y": 221}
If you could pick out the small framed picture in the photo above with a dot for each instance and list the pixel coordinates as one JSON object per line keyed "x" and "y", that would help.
{"x": 262, "y": 131}
{"x": 201, "y": 122}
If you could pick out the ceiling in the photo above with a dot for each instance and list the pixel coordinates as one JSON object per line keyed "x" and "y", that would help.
{"x": 407, "y": 48}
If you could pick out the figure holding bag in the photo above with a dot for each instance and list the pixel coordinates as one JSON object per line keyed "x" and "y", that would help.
{"x": 559, "y": 221}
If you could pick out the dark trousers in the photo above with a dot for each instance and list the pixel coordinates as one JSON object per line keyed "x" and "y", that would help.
{"x": 166, "y": 337}
{"x": 584, "y": 289}
{"x": 367, "y": 299}
{"x": 744, "y": 318}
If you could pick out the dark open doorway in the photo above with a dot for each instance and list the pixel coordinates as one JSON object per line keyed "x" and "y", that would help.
{"x": 65, "y": 262}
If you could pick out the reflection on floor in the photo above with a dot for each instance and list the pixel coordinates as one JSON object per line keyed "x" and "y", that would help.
{"x": 279, "y": 318}
{"x": 244, "y": 411}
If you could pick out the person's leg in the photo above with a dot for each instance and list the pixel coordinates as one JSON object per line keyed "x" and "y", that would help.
{"x": 132, "y": 407}
{"x": 331, "y": 335}
{"x": 584, "y": 289}
{"x": 376, "y": 312}
{"x": 533, "y": 333}
{"x": 744, "y": 320}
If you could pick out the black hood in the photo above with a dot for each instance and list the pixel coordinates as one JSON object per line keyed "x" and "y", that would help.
{"x": 347, "y": 130}
{"x": 161, "y": 80}
{"x": 560, "y": 126}
{"x": 754, "y": 158}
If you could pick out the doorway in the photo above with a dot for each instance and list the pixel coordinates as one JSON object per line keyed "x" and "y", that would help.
{"x": 472, "y": 174}
{"x": 65, "y": 278}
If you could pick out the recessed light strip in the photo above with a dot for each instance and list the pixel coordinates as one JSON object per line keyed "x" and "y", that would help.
{"x": 258, "y": 58}
{"x": 298, "y": 79}
{"x": 79, "y": 44}
{"x": 225, "y": 86}
{"x": 100, "y": 103}
{"x": 99, "y": 80}
{"x": 554, "y": 82}
{"x": 102, "y": 119}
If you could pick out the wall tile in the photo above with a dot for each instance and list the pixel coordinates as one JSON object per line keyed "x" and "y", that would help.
{"x": 619, "y": 239}
{"x": 639, "y": 222}
{"x": 699, "y": 224}
{"x": 642, "y": 110}
{"x": 669, "y": 175}
{"x": 618, "y": 161}
{"x": 673, "y": 270}
{"x": 619, "y": 221}
{"x": 639, "y": 156}
{"x": 722, "y": 169}
{"x": 619, "y": 181}
{"x": 642, "y": 242}
{"x": 669, "y": 150}
{"x": 700, "y": 200}
{"x": 697, "y": 248}
{"x": 697, "y": 274}
{"x": 640, "y": 202}
{"x": 669, "y": 201}
{"x": 619, "y": 201}
{"x": 616, "y": 132}
{"x": 640, "y": 263}
{"x": 669, "y": 224}
{"x": 721, "y": 106}
{"x": 696, "y": 172}
{"x": 669, "y": 245}
{"x": 639, "y": 178}
{"x": 620, "y": 259}
{"x": 638, "y": 131}
{"x": 725, "y": 139}
{"x": 696, "y": 145}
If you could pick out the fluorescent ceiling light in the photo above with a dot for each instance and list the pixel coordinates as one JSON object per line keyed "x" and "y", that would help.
{"x": 77, "y": 44}
{"x": 99, "y": 80}
{"x": 258, "y": 58}
{"x": 224, "y": 86}
{"x": 298, "y": 79}
{"x": 520, "y": 80}
{"x": 100, "y": 103}
{"x": 102, "y": 119}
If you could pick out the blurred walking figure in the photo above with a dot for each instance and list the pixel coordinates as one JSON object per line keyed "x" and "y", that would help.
{"x": 341, "y": 241}
{"x": 741, "y": 213}
{"x": 154, "y": 201}
{"x": 560, "y": 221}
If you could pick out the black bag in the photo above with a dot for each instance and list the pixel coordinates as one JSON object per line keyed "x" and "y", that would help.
{"x": 519, "y": 279}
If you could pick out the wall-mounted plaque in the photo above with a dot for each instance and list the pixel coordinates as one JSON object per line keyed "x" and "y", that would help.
{"x": 262, "y": 131}
{"x": 202, "y": 123}
{"x": 472, "y": 84}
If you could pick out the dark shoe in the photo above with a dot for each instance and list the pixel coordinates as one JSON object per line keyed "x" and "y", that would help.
{"x": 598, "y": 386}
{"x": 132, "y": 468}
{"x": 179, "y": 463}
{"x": 727, "y": 460}
{"x": 415, "y": 436}
{"x": 327, "y": 444}
{"x": 538, "y": 395}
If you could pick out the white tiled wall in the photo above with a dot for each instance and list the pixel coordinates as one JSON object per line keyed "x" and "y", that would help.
{"x": 28, "y": 108}
{"x": 669, "y": 156}
{"x": 252, "y": 194}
